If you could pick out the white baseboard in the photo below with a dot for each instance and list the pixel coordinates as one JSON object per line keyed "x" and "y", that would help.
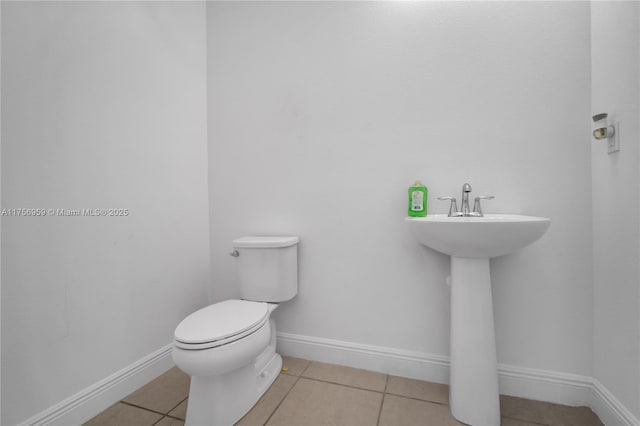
{"x": 544, "y": 385}
{"x": 85, "y": 404}
{"x": 610, "y": 409}
{"x": 415, "y": 365}
{"x": 540, "y": 385}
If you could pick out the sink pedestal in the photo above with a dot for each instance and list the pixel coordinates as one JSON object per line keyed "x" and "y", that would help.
{"x": 473, "y": 390}
{"x": 471, "y": 242}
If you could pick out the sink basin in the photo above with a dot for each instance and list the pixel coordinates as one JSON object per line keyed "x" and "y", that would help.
{"x": 477, "y": 237}
{"x": 471, "y": 241}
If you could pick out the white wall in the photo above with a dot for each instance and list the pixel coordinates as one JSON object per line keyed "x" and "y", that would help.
{"x": 322, "y": 114}
{"x": 615, "y": 178}
{"x": 103, "y": 106}
{"x": 0, "y": 216}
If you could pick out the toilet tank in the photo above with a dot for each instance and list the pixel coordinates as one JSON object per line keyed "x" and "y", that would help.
{"x": 267, "y": 268}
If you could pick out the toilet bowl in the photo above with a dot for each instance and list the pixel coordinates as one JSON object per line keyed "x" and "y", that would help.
{"x": 230, "y": 365}
{"x": 229, "y": 348}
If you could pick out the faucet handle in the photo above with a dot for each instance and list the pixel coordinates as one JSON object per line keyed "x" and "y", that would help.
{"x": 477, "y": 209}
{"x": 453, "y": 207}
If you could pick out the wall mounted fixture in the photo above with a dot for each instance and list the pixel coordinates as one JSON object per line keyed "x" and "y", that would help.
{"x": 604, "y": 131}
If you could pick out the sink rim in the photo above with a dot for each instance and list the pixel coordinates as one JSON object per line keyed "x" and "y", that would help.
{"x": 478, "y": 237}
{"x": 487, "y": 218}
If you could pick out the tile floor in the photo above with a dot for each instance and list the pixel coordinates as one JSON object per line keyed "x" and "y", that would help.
{"x": 313, "y": 393}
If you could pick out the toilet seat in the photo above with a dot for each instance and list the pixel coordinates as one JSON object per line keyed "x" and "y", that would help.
{"x": 220, "y": 324}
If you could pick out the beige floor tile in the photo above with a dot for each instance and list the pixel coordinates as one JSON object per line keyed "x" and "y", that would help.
{"x": 427, "y": 391}
{"x": 163, "y": 393}
{"x": 168, "y": 421}
{"x": 400, "y": 411}
{"x": 263, "y": 409}
{"x": 347, "y": 376}
{"x": 180, "y": 411}
{"x": 318, "y": 403}
{"x": 124, "y": 415}
{"x": 295, "y": 366}
{"x": 546, "y": 412}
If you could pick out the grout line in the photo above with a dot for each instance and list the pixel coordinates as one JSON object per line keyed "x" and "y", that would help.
{"x": 176, "y": 406}
{"x": 417, "y": 399}
{"x": 342, "y": 384}
{"x": 384, "y": 395}
{"x": 305, "y": 368}
{"x": 174, "y": 417}
{"x": 155, "y": 412}
{"x": 161, "y": 419}
{"x": 143, "y": 408}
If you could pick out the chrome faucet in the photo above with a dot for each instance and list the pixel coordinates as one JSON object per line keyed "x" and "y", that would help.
{"x": 465, "y": 211}
{"x": 466, "y": 189}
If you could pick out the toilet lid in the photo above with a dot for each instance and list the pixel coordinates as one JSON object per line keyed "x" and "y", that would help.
{"x": 221, "y": 323}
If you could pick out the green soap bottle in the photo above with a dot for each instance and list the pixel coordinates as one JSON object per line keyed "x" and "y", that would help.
{"x": 418, "y": 200}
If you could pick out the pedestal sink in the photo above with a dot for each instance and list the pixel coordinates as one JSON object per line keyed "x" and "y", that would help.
{"x": 471, "y": 242}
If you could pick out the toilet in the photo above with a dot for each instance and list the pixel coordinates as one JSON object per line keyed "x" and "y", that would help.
{"x": 229, "y": 348}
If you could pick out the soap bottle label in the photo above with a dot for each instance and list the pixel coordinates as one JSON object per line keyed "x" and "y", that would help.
{"x": 417, "y": 201}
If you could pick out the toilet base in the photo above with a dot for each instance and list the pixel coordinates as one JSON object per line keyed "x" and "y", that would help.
{"x": 224, "y": 399}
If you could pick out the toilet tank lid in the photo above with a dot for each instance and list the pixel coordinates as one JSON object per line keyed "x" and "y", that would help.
{"x": 265, "y": 242}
